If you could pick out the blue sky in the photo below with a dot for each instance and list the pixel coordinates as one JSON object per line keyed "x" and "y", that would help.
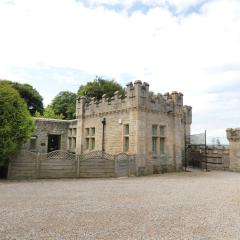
{"x": 192, "y": 46}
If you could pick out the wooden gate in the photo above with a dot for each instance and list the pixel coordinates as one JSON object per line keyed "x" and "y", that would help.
{"x": 125, "y": 165}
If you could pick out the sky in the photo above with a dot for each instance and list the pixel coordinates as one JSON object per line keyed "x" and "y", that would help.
{"x": 190, "y": 46}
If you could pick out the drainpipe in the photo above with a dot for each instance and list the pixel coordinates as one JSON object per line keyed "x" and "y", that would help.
{"x": 103, "y": 133}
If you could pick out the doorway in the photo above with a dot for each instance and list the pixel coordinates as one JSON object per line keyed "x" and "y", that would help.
{"x": 3, "y": 172}
{"x": 54, "y": 142}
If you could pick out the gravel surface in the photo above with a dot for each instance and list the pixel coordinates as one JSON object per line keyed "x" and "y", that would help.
{"x": 194, "y": 205}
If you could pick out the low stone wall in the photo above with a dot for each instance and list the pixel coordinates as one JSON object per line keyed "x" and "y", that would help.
{"x": 63, "y": 164}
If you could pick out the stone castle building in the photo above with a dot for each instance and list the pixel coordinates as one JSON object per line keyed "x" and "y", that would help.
{"x": 153, "y": 127}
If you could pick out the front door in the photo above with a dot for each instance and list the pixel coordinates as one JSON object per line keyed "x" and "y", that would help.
{"x": 54, "y": 142}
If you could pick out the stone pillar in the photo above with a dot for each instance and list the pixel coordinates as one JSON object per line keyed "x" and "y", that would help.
{"x": 178, "y": 137}
{"x": 80, "y": 110}
{"x": 187, "y": 110}
{"x": 141, "y": 144}
{"x": 233, "y": 136}
{"x": 178, "y": 129}
{"x": 138, "y": 116}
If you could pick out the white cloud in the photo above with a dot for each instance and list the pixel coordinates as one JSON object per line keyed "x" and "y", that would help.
{"x": 179, "y": 5}
{"x": 193, "y": 53}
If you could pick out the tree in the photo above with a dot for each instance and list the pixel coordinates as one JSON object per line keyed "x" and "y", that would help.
{"x": 31, "y": 96}
{"x": 64, "y": 104}
{"x": 49, "y": 113}
{"x": 213, "y": 140}
{"x": 218, "y": 142}
{"x": 98, "y": 87}
{"x": 16, "y": 124}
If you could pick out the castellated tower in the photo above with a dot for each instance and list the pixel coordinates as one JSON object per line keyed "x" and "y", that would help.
{"x": 150, "y": 126}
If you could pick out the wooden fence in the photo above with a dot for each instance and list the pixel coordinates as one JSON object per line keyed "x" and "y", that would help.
{"x": 217, "y": 158}
{"x": 63, "y": 164}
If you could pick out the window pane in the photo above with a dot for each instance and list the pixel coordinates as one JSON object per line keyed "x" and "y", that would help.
{"x": 87, "y": 143}
{"x": 93, "y": 143}
{"x": 126, "y": 129}
{"x": 33, "y": 143}
{"x": 162, "y": 147}
{"x": 154, "y": 130}
{"x": 93, "y": 131}
{"x": 87, "y": 131}
{"x": 70, "y": 143}
{"x": 154, "y": 145}
{"x": 74, "y": 143}
{"x": 126, "y": 144}
{"x": 162, "y": 130}
{"x": 74, "y": 131}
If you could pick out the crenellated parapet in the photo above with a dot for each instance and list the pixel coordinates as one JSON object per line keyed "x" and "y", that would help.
{"x": 138, "y": 89}
{"x": 233, "y": 134}
{"x": 137, "y": 96}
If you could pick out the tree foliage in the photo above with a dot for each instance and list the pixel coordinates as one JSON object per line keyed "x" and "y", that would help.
{"x": 218, "y": 142}
{"x": 16, "y": 124}
{"x": 49, "y": 113}
{"x": 31, "y": 96}
{"x": 64, "y": 104}
{"x": 98, "y": 87}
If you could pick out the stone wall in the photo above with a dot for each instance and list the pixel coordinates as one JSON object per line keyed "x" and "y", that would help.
{"x": 45, "y": 127}
{"x": 233, "y": 136}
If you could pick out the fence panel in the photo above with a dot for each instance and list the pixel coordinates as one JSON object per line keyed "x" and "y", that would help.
{"x": 96, "y": 164}
{"x": 63, "y": 164}
{"x": 23, "y": 165}
{"x": 58, "y": 164}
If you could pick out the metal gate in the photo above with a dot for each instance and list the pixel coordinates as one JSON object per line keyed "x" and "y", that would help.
{"x": 195, "y": 150}
{"x": 195, "y": 156}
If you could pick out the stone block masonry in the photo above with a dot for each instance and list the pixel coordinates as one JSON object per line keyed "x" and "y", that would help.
{"x": 233, "y": 136}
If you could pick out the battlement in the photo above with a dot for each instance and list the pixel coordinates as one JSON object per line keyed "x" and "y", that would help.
{"x": 233, "y": 134}
{"x": 137, "y": 95}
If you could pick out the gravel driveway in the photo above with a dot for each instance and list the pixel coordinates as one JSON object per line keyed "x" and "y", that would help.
{"x": 196, "y": 205}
